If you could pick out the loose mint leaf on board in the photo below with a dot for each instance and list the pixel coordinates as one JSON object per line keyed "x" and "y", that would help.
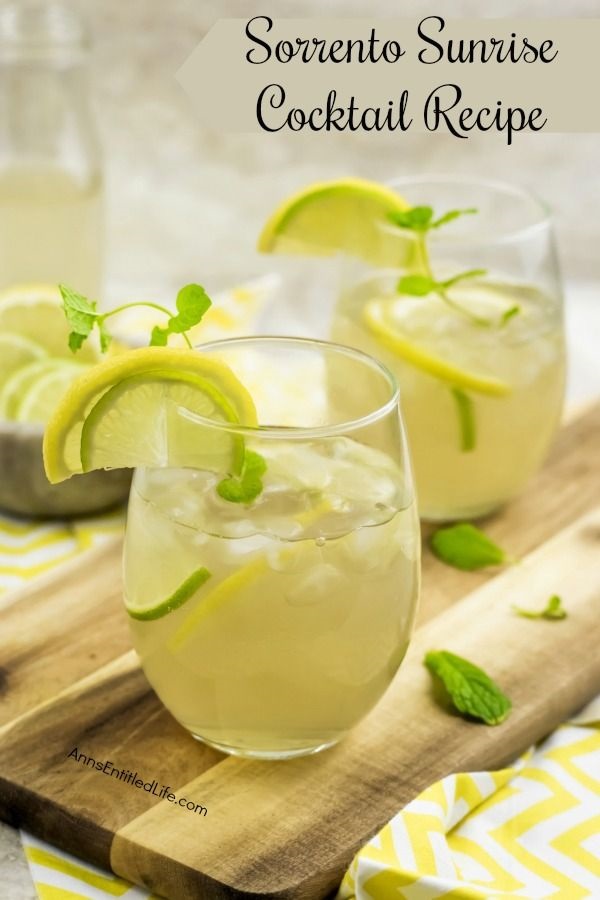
{"x": 554, "y": 610}
{"x": 466, "y": 547}
{"x": 416, "y": 285}
{"x": 471, "y": 690}
{"x": 246, "y": 487}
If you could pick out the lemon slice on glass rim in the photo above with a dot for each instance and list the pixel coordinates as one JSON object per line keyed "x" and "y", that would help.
{"x": 339, "y": 216}
{"x": 129, "y": 411}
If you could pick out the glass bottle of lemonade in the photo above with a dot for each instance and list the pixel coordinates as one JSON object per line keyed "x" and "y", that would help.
{"x": 50, "y": 177}
{"x": 467, "y": 312}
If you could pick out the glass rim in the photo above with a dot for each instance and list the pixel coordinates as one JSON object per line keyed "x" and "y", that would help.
{"x": 497, "y": 185}
{"x": 301, "y": 432}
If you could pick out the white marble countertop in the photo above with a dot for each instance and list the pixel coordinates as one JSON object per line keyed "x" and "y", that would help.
{"x": 186, "y": 204}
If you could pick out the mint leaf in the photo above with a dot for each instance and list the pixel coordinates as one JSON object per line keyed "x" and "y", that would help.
{"x": 76, "y": 341}
{"x": 248, "y": 485}
{"x": 451, "y": 216}
{"x": 416, "y": 285}
{"x": 420, "y": 218}
{"x": 159, "y": 336}
{"x": 466, "y": 420}
{"x": 416, "y": 219}
{"x": 508, "y": 315}
{"x": 472, "y": 692}
{"x": 466, "y": 547}
{"x": 192, "y": 302}
{"x": 81, "y": 315}
{"x": 554, "y": 610}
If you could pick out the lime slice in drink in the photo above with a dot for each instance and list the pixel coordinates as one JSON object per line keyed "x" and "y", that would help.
{"x": 383, "y": 318}
{"x": 16, "y": 351}
{"x": 42, "y": 394}
{"x": 138, "y": 408}
{"x": 36, "y": 312}
{"x": 338, "y": 216}
{"x": 184, "y": 592}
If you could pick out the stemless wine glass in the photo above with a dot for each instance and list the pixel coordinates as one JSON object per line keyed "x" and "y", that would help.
{"x": 475, "y": 340}
{"x": 290, "y": 605}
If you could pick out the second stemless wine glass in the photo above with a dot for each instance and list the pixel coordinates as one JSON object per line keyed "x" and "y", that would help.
{"x": 481, "y": 363}
{"x": 279, "y": 618}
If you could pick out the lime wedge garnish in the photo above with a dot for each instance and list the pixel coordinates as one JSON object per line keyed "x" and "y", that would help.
{"x": 184, "y": 592}
{"x": 378, "y": 317}
{"x": 337, "y": 216}
{"x": 136, "y": 402}
{"x": 138, "y": 423}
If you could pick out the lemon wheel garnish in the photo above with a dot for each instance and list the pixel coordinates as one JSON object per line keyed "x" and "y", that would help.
{"x": 142, "y": 420}
{"x": 42, "y": 394}
{"x": 336, "y": 216}
{"x": 17, "y": 351}
{"x": 378, "y": 319}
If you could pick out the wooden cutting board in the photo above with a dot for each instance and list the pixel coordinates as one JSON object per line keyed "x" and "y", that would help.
{"x": 68, "y": 679}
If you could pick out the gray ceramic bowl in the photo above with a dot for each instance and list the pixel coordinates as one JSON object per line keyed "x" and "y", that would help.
{"x": 25, "y": 490}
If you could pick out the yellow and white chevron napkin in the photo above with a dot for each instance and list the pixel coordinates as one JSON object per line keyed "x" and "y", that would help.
{"x": 527, "y": 832}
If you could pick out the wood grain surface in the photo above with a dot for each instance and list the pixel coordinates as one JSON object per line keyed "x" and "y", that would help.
{"x": 287, "y": 830}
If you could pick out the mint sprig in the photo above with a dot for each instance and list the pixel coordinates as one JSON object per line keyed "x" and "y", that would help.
{"x": 553, "y": 611}
{"x": 421, "y": 220}
{"x": 83, "y": 317}
{"x": 471, "y": 690}
{"x": 245, "y": 487}
{"x": 466, "y": 547}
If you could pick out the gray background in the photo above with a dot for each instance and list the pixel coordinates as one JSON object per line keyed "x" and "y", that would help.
{"x": 186, "y": 204}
